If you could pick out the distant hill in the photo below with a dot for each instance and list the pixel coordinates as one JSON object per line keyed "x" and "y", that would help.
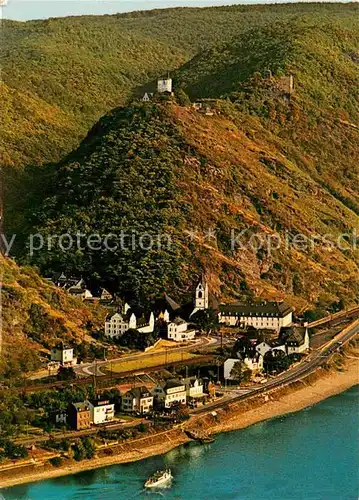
{"x": 60, "y": 75}
{"x": 321, "y": 117}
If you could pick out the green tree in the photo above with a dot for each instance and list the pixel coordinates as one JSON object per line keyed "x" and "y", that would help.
{"x": 240, "y": 372}
{"x": 206, "y": 320}
{"x": 66, "y": 373}
{"x": 182, "y": 98}
{"x": 89, "y": 447}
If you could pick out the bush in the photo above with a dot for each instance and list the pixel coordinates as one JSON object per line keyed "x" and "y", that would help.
{"x": 56, "y": 461}
{"x": 142, "y": 427}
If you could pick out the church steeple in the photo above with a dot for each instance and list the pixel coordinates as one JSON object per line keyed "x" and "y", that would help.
{"x": 201, "y": 299}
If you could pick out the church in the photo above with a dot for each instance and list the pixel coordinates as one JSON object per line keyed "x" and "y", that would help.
{"x": 201, "y": 301}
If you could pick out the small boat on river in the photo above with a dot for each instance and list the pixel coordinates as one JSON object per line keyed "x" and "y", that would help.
{"x": 161, "y": 479}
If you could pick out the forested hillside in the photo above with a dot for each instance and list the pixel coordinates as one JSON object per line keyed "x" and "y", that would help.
{"x": 164, "y": 169}
{"x": 37, "y": 315}
{"x": 323, "y": 58}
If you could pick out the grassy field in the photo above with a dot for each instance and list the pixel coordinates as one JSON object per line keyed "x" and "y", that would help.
{"x": 149, "y": 361}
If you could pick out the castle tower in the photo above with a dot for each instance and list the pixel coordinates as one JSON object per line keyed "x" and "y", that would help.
{"x": 201, "y": 299}
{"x": 164, "y": 85}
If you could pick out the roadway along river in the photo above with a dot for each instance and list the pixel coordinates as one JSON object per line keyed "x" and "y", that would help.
{"x": 311, "y": 455}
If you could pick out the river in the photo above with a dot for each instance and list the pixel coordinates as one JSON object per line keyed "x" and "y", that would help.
{"x": 312, "y": 455}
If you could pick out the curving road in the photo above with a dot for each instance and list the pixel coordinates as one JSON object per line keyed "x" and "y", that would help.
{"x": 94, "y": 368}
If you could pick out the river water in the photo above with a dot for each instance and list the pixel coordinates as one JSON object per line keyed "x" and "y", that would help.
{"x": 312, "y": 455}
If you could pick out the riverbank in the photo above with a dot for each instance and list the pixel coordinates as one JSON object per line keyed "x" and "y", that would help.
{"x": 318, "y": 386}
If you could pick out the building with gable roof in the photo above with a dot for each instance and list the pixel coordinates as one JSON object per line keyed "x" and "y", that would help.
{"x": 265, "y": 315}
{"x": 296, "y": 339}
{"x": 169, "y": 393}
{"x": 119, "y": 323}
{"x": 138, "y": 399}
{"x": 179, "y": 332}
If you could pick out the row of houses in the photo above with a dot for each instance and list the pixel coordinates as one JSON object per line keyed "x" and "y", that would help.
{"x": 77, "y": 287}
{"x": 83, "y": 414}
{"x": 260, "y": 315}
{"x": 291, "y": 340}
{"x": 141, "y": 400}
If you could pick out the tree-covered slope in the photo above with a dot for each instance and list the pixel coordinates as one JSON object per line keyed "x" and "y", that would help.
{"x": 163, "y": 169}
{"x": 266, "y": 164}
{"x": 37, "y": 315}
{"x": 321, "y": 117}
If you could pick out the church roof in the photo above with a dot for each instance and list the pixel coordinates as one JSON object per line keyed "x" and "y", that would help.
{"x": 172, "y": 303}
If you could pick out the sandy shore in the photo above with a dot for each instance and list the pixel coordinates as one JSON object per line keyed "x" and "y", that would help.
{"x": 326, "y": 384}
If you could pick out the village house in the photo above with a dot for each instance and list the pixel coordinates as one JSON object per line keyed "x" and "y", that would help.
{"x": 79, "y": 416}
{"x": 267, "y": 315}
{"x": 255, "y": 364}
{"x": 296, "y": 339}
{"x": 101, "y": 296}
{"x": 266, "y": 346}
{"x": 179, "y": 332}
{"x": 194, "y": 388}
{"x": 62, "y": 281}
{"x": 63, "y": 354}
{"x": 170, "y": 392}
{"x": 80, "y": 291}
{"x": 118, "y": 324}
{"x": 101, "y": 411}
{"x": 138, "y": 399}
{"x": 105, "y": 295}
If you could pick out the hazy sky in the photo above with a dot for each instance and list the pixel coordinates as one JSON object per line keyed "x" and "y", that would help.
{"x": 22, "y": 10}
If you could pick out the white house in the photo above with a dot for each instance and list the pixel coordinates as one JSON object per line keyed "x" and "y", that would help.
{"x": 101, "y": 411}
{"x": 263, "y": 347}
{"x": 254, "y": 364}
{"x": 267, "y": 315}
{"x": 296, "y": 339}
{"x": 105, "y": 296}
{"x": 137, "y": 399}
{"x": 194, "y": 388}
{"x": 178, "y": 331}
{"x": 170, "y": 392}
{"x": 118, "y": 324}
{"x": 63, "y": 354}
{"x": 164, "y": 85}
{"x": 201, "y": 301}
